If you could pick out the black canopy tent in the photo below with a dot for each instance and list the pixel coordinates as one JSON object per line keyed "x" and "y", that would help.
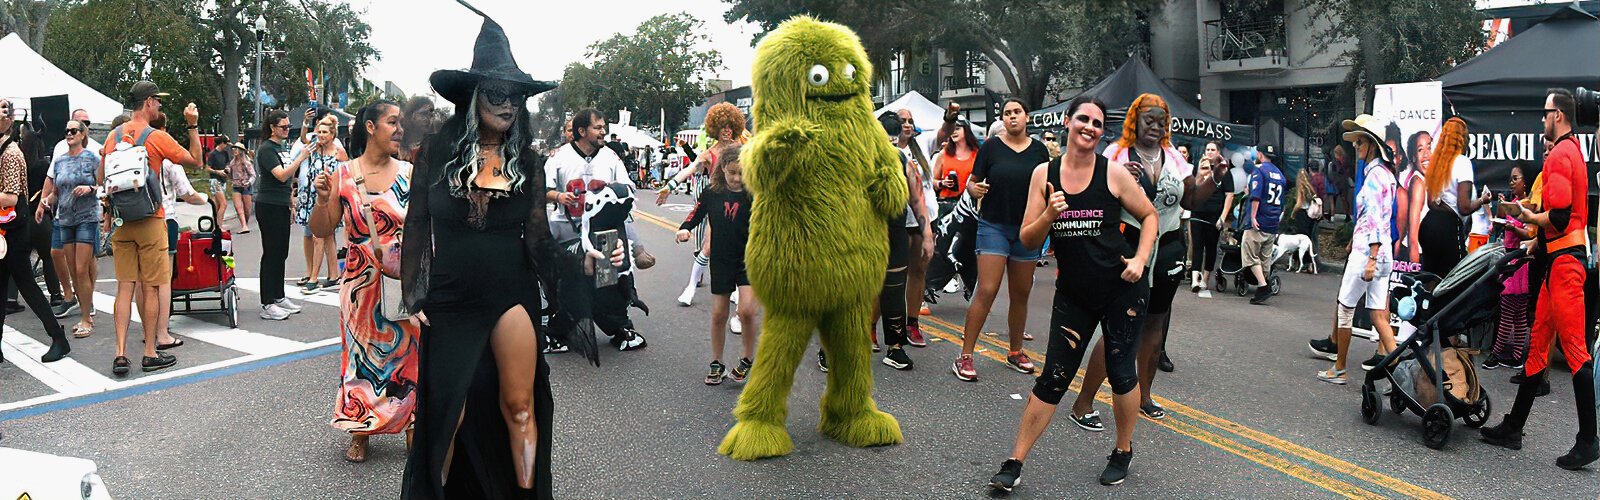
{"x": 1500, "y": 93}
{"x": 1126, "y": 83}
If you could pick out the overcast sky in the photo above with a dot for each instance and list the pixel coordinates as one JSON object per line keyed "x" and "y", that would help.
{"x": 417, "y": 37}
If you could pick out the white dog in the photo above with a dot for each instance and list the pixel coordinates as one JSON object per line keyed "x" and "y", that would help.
{"x": 1298, "y": 248}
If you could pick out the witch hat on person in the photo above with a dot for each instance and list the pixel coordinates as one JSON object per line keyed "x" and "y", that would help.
{"x": 491, "y": 61}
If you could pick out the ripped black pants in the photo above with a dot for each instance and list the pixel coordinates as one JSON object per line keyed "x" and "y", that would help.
{"x": 1072, "y": 323}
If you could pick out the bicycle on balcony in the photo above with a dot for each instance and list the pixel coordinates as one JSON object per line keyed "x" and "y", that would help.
{"x": 1241, "y": 44}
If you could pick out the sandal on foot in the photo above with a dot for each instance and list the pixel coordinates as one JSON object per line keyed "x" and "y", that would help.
{"x": 176, "y": 342}
{"x": 120, "y": 366}
{"x": 357, "y": 452}
{"x": 82, "y": 331}
{"x": 1153, "y": 411}
{"x": 1333, "y": 377}
{"x": 1089, "y": 422}
{"x": 715, "y": 376}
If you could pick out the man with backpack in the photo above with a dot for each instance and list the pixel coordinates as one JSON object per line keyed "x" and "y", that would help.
{"x": 130, "y": 174}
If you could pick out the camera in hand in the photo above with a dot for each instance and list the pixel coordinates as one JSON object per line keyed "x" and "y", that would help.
{"x": 1588, "y": 111}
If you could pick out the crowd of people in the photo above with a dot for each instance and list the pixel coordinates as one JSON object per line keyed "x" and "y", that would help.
{"x": 462, "y": 255}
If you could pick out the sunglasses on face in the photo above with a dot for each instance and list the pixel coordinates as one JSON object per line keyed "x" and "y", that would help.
{"x": 73, "y": 131}
{"x": 284, "y": 126}
{"x": 1086, "y": 120}
{"x": 497, "y": 97}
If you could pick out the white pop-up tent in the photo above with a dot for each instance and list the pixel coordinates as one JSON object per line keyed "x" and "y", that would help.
{"x": 30, "y": 75}
{"x": 634, "y": 137}
{"x": 925, "y": 113}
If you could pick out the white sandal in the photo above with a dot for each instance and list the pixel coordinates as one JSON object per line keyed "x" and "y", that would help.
{"x": 82, "y": 331}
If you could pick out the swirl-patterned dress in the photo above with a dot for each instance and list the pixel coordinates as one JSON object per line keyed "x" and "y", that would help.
{"x": 378, "y": 372}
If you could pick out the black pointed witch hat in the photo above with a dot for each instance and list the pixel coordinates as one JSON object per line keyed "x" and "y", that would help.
{"x": 491, "y": 60}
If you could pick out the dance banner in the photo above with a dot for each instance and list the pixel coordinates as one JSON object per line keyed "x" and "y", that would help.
{"x": 1412, "y": 113}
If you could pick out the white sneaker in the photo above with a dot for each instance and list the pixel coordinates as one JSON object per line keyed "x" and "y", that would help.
{"x": 954, "y": 286}
{"x": 271, "y": 312}
{"x": 284, "y": 304}
{"x": 1204, "y": 293}
{"x": 687, "y": 298}
{"x": 735, "y": 325}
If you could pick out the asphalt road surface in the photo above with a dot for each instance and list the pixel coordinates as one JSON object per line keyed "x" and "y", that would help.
{"x": 245, "y": 412}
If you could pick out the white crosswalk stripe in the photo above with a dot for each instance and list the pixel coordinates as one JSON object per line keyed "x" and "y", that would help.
{"x": 70, "y": 378}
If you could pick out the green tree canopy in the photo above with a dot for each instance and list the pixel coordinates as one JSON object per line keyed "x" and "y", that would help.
{"x": 656, "y": 67}
{"x": 1397, "y": 41}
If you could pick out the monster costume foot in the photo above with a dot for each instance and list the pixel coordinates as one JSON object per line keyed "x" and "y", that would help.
{"x": 752, "y": 440}
{"x": 871, "y": 428}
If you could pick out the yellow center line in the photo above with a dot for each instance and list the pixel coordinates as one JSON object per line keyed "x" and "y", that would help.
{"x": 1174, "y": 407}
{"x": 1242, "y": 450}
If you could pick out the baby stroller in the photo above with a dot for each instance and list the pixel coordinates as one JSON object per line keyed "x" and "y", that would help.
{"x": 1232, "y": 265}
{"x": 204, "y": 272}
{"x": 1432, "y": 373}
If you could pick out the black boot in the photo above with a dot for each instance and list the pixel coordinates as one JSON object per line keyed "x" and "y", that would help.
{"x": 1263, "y": 293}
{"x": 59, "y": 348}
{"x": 1587, "y": 449}
{"x": 1509, "y": 433}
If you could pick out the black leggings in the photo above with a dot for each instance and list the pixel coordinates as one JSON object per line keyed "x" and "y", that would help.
{"x": 1440, "y": 237}
{"x": 892, "y": 299}
{"x": 274, "y": 223}
{"x": 1204, "y": 234}
{"x": 1072, "y": 324}
{"x": 16, "y": 271}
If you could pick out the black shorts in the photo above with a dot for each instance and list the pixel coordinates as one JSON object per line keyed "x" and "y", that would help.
{"x": 727, "y": 277}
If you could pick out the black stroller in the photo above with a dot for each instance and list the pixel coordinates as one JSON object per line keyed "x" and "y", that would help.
{"x": 1432, "y": 373}
{"x": 1231, "y": 265}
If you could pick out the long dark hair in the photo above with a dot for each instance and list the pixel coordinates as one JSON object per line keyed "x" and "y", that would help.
{"x": 966, "y": 138}
{"x": 270, "y": 120}
{"x": 358, "y": 133}
{"x": 454, "y": 149}
{"x": 464, "y": 161}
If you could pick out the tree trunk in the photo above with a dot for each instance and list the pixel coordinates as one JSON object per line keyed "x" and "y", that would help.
{"x": 232, "y": 59}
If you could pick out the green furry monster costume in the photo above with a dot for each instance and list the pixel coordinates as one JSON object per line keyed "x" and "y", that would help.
{"x": 825, "y": 182}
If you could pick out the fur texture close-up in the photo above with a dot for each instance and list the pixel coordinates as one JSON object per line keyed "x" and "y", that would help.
{"x": 825, "y": 182}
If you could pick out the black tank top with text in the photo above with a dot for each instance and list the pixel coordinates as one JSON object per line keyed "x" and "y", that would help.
{"x": 1089, "y": 247}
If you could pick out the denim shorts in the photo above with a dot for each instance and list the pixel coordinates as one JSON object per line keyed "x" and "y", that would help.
{"x": 1004, "y": 240}
{"x": 245, "y": 190}
{"x": 87, "y": 233}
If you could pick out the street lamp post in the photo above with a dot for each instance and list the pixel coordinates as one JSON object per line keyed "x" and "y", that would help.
{"x": 261, "y": 36}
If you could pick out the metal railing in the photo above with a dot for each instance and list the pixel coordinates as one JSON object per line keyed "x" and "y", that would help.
{"x": 1230, "y": 41}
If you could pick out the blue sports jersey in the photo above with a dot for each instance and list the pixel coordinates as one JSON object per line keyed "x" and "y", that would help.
{"x": 1267, "y": 186}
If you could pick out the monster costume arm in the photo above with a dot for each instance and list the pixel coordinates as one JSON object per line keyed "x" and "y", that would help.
{"x": 778, "y": 146}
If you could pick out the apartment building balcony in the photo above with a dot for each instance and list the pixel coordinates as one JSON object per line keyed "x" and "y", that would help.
{"x": 960, "y": 86}
{"x": 1233, "y": 47}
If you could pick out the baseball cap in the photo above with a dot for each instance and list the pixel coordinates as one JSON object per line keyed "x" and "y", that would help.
{"x": 144, "y": 89}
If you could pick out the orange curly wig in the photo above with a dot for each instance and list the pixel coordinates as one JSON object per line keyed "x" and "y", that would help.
{"x": 1452, "y": 142}
{"x": 724, "y": 115}
{"x": 1130, "y": 124}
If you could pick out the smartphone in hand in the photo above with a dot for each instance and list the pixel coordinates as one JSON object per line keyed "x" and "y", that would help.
{"x": 606, "y": 242}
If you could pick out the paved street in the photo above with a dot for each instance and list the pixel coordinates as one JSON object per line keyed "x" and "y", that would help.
{"x": 244, "y": 414}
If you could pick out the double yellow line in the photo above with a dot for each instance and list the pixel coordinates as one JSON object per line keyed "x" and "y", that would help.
{"x": 1327, "y": 472}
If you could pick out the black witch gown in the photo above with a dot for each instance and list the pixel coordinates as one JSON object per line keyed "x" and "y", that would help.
{"x": 468, "y": 261}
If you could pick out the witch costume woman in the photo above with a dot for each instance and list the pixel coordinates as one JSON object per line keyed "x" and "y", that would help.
{"x": 477, "y": 257}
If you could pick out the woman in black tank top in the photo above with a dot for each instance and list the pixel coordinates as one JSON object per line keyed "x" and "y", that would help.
{"x": 1079, "y": 202}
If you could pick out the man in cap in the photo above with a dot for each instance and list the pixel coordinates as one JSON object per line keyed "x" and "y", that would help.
{"x": 1265, "y": 210}
{"x": 140, "y": 246}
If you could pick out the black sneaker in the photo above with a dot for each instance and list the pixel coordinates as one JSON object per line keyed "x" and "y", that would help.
{"x": 160, "y": 361}
{"x": 1009, "y": 477}
{"x": 1262, "y": 294}
{"x": 1165, "y": 364}
{"x": 1581, "y": 455}
{"x": 1501, "y": 436}
{"x": 1372, "y": 362}
{"x": 822, "y": 361}
{"x": 1491, "y": 363}
{"x": 1325, "y": 349}
{"x": 743, "y": 370}
{"x": 13, "y": 307}
{"x": 1116, "y": 467}
{"x": 62, "y": 309}
{"x": 553, "y": 346}
{"x": 897, "y": 358}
